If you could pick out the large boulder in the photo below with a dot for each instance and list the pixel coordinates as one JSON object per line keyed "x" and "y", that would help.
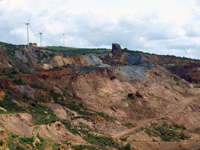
{"x": 116, "y": 50}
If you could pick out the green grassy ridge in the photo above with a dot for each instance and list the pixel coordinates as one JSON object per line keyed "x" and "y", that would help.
{"x": 83, "y": 51}
{"x": 74, "y": 51}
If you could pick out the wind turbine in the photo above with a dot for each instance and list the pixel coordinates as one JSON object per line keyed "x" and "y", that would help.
{"x": 186, "y": 51}
{"x": 40, "y": 33}
{"x": 28, "y": 24}
{"x": 63, "y": 40}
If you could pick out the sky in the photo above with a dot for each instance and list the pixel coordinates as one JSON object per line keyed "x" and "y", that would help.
{"x": 167, "y": 27}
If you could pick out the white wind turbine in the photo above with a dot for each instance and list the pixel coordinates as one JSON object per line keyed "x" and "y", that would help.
{"x": 41, "y": 36}
{"x": 63, "y": 40}
{"x": 28, "y": 24}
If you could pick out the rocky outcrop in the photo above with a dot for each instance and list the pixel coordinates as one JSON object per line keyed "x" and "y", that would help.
{"x": 116, "y": 50}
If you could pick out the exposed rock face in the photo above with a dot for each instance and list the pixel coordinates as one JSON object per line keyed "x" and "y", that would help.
{"x": 190, "y": 72}
{"x": 115, "y": 95}
{"x": 3, "y": 61}
{"x": 2, "y": 94}
{"x": 58, "y": 110}
{"x": 116, "y": 50}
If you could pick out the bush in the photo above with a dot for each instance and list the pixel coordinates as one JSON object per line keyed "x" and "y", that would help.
{"x": 14, "y": 71}
{"x": 182, "y": 135}
{"x": 24, "y": 95}
{"x": 1, "y": 143}
{"x": 19, "y": 81}
{"x": 1, "y": 86}
{"x": 1, "y": 104}
{"x": 126, "y": 147}
{"x": 4, "y": 70}
{"x": 28, "y": 139}
{"x": 40, "y": 138}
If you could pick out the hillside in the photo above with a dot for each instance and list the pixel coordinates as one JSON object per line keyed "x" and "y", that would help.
{"x": 76, "y": 98}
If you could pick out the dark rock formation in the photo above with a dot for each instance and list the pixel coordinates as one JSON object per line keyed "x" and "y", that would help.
{"x": 116, "y": 50}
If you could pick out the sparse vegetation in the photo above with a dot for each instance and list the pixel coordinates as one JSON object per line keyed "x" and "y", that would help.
{"x": 165, "y": 132}
{"x": 27, "y": 139}
{"x": 10, "y": 106}
{"x": 19, "y": 81}
{"x": 100, "y": 141}
{"x": 42, "y": 115}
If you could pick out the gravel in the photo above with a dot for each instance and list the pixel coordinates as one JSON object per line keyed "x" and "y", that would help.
{"x": 136, "y": 72}
{"x": 93, "y": 60}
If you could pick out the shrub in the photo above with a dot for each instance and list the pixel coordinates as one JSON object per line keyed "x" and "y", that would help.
{"x": 4, "y": 70}
{"x": 28, "y": 139}
{"x": 127, "y": 147}
{"x": 1, "y": 103}
{"x": 19, "y": 81}
{"x": 182, "y": 135}
{"x": 1, "y": 143}
{"x": 24, "y": 95}
{"x": 1, "y": 86}
{"x": 14, "y": 71}
{"x": 40, "y": 138}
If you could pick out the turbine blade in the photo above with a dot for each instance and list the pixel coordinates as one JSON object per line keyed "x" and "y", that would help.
{"x": 43, "y": 30}
{"x": 32, "y": 30}
{"x": 22, "y": 22}
{"x": 29, "y": 19}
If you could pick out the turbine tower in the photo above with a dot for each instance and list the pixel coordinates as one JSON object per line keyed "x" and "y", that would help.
{"x": 186, "y": 51}
{"x": 63, "y": 40}
{"x": 40, "y": 39}
{"x": 28, "y": 24}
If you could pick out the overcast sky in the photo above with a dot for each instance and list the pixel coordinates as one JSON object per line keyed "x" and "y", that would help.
{"x": 156, "y": 26}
